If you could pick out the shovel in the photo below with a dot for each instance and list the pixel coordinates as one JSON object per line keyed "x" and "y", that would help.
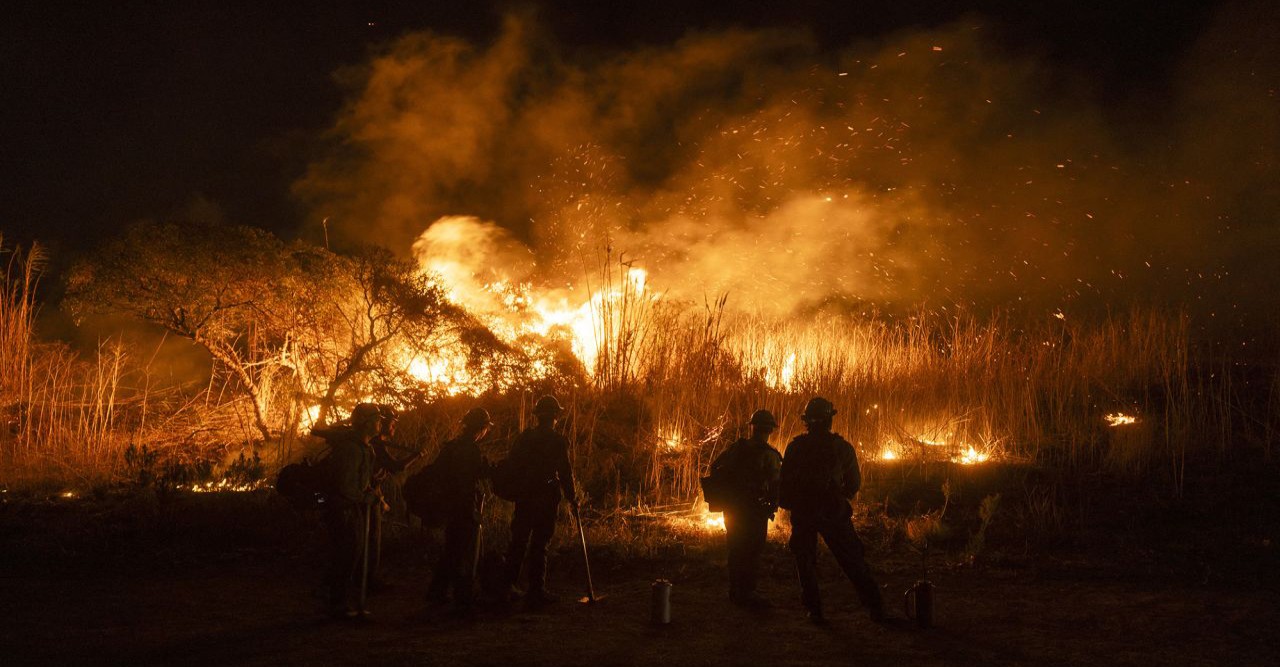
{"x": 591, "y": 598}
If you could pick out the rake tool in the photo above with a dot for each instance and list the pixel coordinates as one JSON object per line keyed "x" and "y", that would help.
{"x": 591, "y": 597}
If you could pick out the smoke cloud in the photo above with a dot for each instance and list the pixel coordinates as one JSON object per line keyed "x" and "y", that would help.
{"x": 928, "y": 169}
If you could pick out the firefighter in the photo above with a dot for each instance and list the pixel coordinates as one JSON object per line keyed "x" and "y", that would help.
{"x": 350, "y": 463}
{"x": 751, "y": 467}
{"x": 540, "y": 475}
{"x": 384, "y": 466}
{"x": 819, "y": 479}
{"x": 464, "y": 468}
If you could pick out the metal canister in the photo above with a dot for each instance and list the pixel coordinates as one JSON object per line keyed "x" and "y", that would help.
{"x": 661, "y": 610}
{"x": 918, "y": 601}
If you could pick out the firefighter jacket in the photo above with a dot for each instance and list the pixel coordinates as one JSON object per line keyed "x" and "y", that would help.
{"x": 351, "y": 468}
{"x": 383, "y": 462}
{"x": 540, "y": 457}
{"x": 463, "y": 470}
{"x": 752, "y": 471}
{"x": 820, "y": 476}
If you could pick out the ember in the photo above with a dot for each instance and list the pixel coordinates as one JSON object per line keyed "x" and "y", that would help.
{"x": 1120, "y": 419}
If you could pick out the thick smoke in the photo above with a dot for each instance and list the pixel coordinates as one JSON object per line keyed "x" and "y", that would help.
{"x": 931, "y": 168}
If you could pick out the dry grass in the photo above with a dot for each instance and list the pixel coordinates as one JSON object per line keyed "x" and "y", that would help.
{"x": 672, "y": 384}
{"x": 69, "y": 417}
{"x": 926, "y": 388}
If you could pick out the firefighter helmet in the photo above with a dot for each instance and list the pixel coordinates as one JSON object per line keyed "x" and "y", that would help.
{"x": 476, "y": 418}
{"x": 364, "y": 413}
{"x": 817, "y": 409}
{"x": 763, "y": 418}
{"x": 547, "y": 405}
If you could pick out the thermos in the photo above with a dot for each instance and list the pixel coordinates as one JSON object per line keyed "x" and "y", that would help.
{"x": 661, "y": 611}
{"x": 918, "y": 601}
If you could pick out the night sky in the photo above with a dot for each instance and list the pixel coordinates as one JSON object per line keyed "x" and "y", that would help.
{"x": 116, "y": 112}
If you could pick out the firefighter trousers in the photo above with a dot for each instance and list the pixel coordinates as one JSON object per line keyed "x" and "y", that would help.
{"x": 456, "y": 569}
{"x": 346, "y": 531}
{"x": 842, "y": 540}
{"x": 746, "y": 535}
{"x": 532, "y": 526}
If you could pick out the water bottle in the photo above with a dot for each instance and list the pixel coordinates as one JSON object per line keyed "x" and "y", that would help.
{"x": 661, "y": 610}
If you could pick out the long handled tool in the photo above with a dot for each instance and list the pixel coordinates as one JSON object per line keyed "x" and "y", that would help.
{"x": 364, "y": 562}
{"x": 586, "y": 560}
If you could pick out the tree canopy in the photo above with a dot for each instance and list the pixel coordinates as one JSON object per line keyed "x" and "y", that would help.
{"x": 278, "y": 317}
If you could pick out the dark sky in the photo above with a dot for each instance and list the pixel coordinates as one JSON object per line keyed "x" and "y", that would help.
{"x": 119, "y": 111}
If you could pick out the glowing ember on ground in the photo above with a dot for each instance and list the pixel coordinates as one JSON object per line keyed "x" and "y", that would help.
{"x": 971, "y": 456}
{"x": 221, "y": 485}
{"x": 1120, "y": 419}
{"x": 67, "y": 494}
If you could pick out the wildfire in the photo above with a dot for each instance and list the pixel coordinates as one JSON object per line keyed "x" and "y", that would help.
{"x": 669, "y": 438}
{"x": 782, "y": 378}
{"x": 935, "y": 448}
{"x": 308, "y": 419}
{"x": 714, "y": 521}
{"x": 487, "y": 273}
{"x": 448, "y": 373}
{"x": 1120, "y": 419}
{"x": 971, "y": 456}
{"x": 223, "y": 484}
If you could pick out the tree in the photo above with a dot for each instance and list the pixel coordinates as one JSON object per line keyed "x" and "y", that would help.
{"x": 267, "y": 311}
{"x": 366, "y": 313}
{"x": 207, "y": 283}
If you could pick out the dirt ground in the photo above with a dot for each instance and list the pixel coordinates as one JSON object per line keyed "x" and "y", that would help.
{"x": 260, "y": 607}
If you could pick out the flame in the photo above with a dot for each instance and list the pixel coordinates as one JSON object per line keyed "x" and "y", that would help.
{"x": 1120, "y": 419}
{"x": 307, "y": 420}
{"x": 669, "y": 438}
{"x": 783, "y": 378}
{"x": 487, "y": 272}
{"x": 971, "y": 456}
{"x": 888, "y": 454}
{"x": 223, "y": 484}
{"x": 637, "y": 278}
{"x": 714, "y": 521}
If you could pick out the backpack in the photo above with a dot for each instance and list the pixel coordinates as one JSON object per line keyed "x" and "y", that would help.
{"x": 720, "y": 486}
{"x": 309, "y": 485}
{"x": 424, "y": 493}
{"x": 718, "y": 491}
{"x": 306, "y": 485}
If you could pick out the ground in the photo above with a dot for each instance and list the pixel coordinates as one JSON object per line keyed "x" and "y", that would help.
{"x": 140, "y": 600}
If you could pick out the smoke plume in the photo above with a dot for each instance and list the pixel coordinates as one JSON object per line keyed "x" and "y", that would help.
{"x": 928, "y": 169}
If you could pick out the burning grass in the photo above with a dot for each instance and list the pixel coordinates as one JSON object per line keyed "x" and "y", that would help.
{"x": 656, "y": 388}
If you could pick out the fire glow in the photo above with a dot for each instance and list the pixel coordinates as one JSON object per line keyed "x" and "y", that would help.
{"x": 469, "y": 257}
{"x": 222, "y": 485}
{"x": 1120, "y": 419}
{"x": 963, "y": 454}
